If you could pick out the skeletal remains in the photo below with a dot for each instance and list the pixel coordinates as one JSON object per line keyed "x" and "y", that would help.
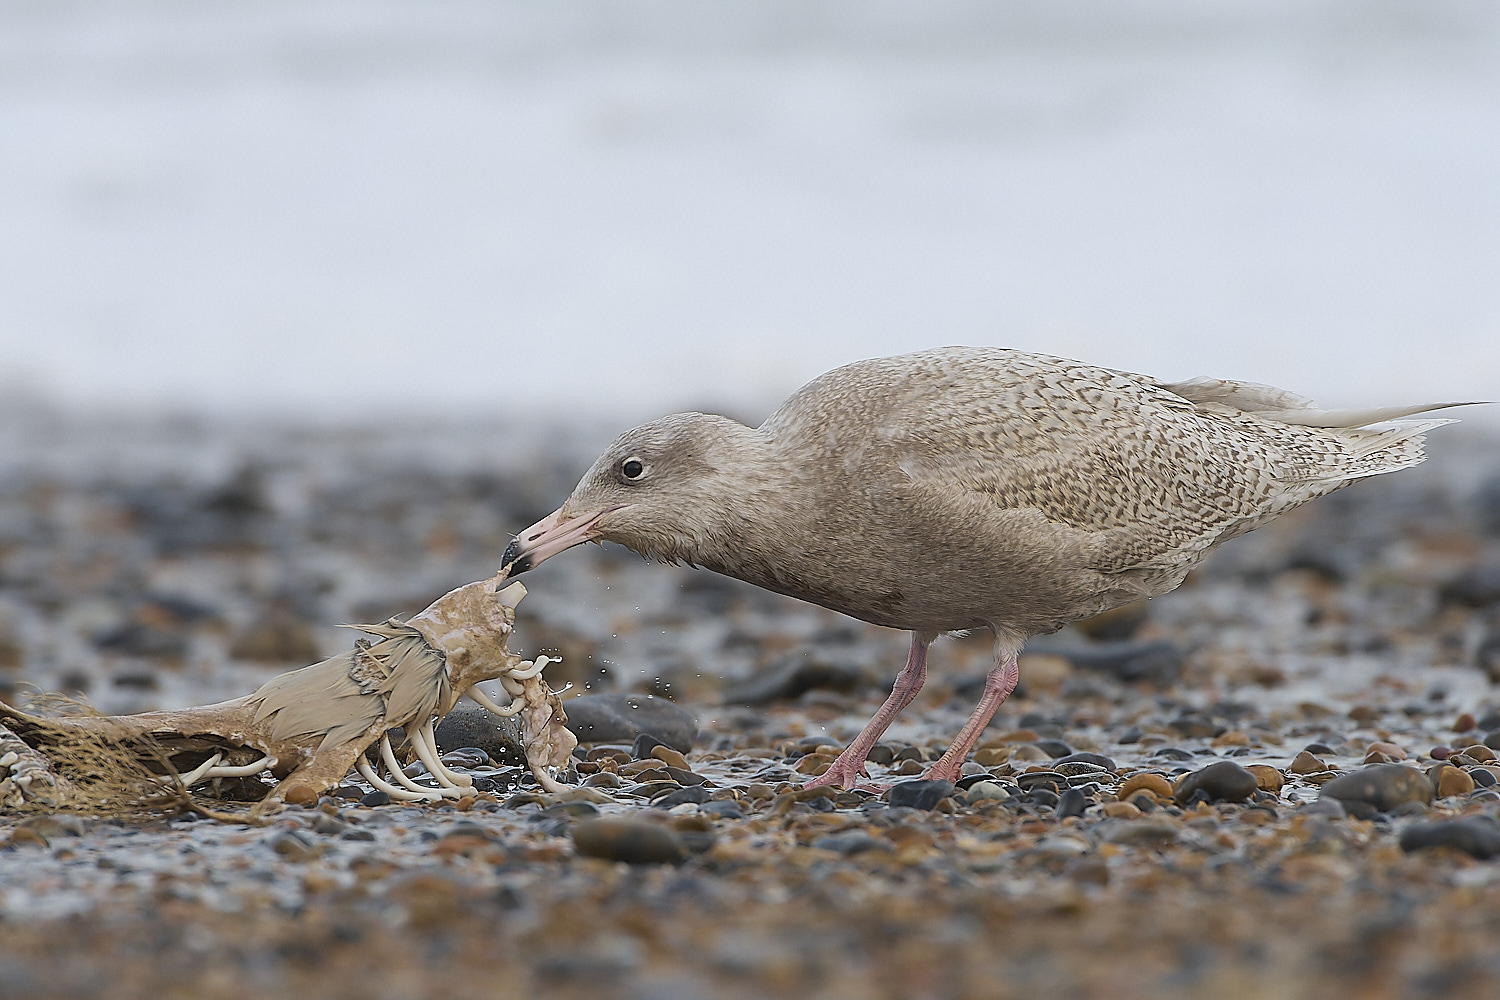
{"x": 309, "y": 727}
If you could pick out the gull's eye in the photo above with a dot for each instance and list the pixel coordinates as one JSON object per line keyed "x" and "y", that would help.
{"x": 632, "y": 468}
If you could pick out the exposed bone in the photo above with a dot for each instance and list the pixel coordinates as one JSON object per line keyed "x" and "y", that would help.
{"x": 309, "y": 727}
{"x": 429, "y": 736}
{"x": 264, "y": 764}
{"x": 399, "y": 794}
{"x": 484, "y": 702}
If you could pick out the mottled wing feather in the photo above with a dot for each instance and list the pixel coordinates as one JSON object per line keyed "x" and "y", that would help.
{"x": 1160, "y": 473}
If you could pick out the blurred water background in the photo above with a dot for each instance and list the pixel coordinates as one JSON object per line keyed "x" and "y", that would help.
{"x": 359, "y": 210}
{"x": 306, "y": 307}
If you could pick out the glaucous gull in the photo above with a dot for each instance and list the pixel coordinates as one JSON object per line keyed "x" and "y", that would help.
{"x": 964, "y": 488}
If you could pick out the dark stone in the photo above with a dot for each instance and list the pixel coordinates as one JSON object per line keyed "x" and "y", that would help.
{"x": 620, "y": 717}
{"x": 1087, "y": 757}
{"x": 466, "y": 757}
{"x": 882, "y": 754}
{"x": 634, "y": 841}
{"x": 794, "y": 676}
{"x": 1492, "y": 740}
{"x": 643, "y": 745}
{"x": 357, "y": 834}
{"x": 1054, "y": 748}
{"x": 851, "y": 842}
{"x": 1158, "y": 663}
{"x": 1172, "y": 753}
{"x": 376, "y": 798}
{"x": 920, "y": 794}
{"x": 1072, "y": 803}
{"x": 1476, "y": 836}
{"x": 469, "y": 727}
{"x": 1043, "y": 797}
{"x": 1476, "y": 587}
{"x": 1487, "y": 658}
{"x": 1382, "y": 787}
{"x": 1131, "y": 735}
{"x": 694, "y": 794}
{"x": 1224, "y": 781}
{"x": 682, "y": 777}
{"x": 696, "y": 841}
{"x": 1483, "y": 776}
{"x": 723, "y": 808}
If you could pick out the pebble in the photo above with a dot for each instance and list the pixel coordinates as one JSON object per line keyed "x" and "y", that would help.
{"x": 633, "y": 841}
{"x": 794, "y": 676}
{"x": 1306, "y": 763}
{"x": 1453, "y": 781}
{"x": 851, "y": 842}
{"x": 619, "y": 717}
{"x": 1477, "y": 836}
{"x": 1381, "y": 787}
{"x": 920, "y": 794}
{"x": 1145, "y": 781}
{"x": 1142, "y": 831}
{"x": 1071, "y": 803}
{"x": 1086, "y": 757}
{"x": 1267, "y": 778}
{"x": 293, "y": 846}
{"x": 375, "y": 798}
{"x": 1224, "y": 781}
{"x": 469, "y": 727}
{"x": 693, "y": 794}
{"x": 985, "y": 791}
{"x": 670, "y": 757}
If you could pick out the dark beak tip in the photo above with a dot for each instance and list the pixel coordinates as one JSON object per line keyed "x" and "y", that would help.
{"x": 514, "y": 561}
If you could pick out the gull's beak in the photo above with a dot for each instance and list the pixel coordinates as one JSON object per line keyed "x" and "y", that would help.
{"x": 549, "y": 536}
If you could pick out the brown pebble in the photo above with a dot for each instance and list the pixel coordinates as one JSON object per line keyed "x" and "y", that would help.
{"x": 1306, "y": 763}
{"x": 1480, "y": 752}
{"x": 1386, "y": 747}
{"x": 1363, "y": 714}
{"x": 1267, "y": 778}
{"x": 1120, "y": 810}
{"x": 1015, "y": 736}
{"x": 1232, "y": 738}
{"x": 816, "y": 763}
{"x": 634, "y": 841}
{"x": 667, "y": 755}
{"x": 299, "y": 795}
{"x": 1465, "y": 723}
{"x": 1452, "y": 781}
{"x": 1154, "y": 783}
{"x": 991, "y": 756}
{"x": 1441, "y": 753}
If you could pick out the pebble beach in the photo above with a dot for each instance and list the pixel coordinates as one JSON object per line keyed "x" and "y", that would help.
{"x": 1280, "y": 780}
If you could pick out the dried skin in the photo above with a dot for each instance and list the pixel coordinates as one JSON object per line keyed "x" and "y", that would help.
{"x": 315, "y": 722}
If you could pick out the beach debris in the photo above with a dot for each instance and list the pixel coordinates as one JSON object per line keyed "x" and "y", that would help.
{"x": 307, "y": 728}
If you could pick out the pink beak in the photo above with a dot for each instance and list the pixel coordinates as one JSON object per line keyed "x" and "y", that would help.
{"x": 549, "y": 536}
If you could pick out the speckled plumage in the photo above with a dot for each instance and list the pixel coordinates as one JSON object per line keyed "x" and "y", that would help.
{"x": 968, "y": 487}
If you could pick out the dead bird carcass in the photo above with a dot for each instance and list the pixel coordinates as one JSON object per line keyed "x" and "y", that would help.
{"x": 308, "y": 728}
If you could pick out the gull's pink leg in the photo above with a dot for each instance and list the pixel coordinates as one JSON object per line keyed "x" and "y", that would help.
{"x": 998, "y": 685}
{"x": 850, "y": 766}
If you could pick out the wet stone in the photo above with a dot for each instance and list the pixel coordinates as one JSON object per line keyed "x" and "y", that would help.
{"x": 1085, "y": 757}
{"x": 920, "y": 794}
{"x": 694, "y": 794}
{"x": 620, "y": 717}
{"x": 1382, "y": 787}
{"x": 851, "y": 842}
{"x": 1071, "y": 803}
{"x": 1477, "y": 836}
{"x": 471, "y": 729}
{"x": 1224, "y": 781}
{"x": 1054, "y": 748}
{"x": 794, "y": 676}
{"x": 629, "y": 840}
{"x": 375, "y": 798}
